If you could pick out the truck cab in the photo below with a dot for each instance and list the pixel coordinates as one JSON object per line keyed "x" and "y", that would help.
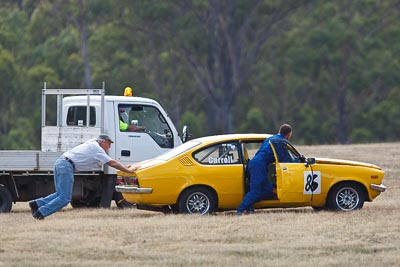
{"x": 140, "y": 127}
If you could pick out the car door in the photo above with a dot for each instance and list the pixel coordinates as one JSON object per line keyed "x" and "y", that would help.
{"x": 296, "y": 182}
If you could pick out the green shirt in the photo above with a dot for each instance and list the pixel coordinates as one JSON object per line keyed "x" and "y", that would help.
{"x": 123, "y": 126}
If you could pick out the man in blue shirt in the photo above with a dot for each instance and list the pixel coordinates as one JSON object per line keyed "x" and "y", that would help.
{"x": 260, "y": 187}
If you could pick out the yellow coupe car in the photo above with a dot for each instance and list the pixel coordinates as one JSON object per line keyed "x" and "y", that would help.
{"x": 210, "y": 174}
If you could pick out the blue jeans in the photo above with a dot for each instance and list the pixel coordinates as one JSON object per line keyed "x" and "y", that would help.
{"x": 260, "y": 187}
{"x": 63, "y": 183}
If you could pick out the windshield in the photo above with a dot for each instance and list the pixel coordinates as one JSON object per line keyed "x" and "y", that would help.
{"x": 178, "y": 150}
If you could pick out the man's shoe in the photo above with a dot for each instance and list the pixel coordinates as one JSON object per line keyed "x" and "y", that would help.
{"x": 238, "y": 213}
{"x": 123, "y": 204}
{"x": 34, "y": 207}
{"x": 37, "y": 215}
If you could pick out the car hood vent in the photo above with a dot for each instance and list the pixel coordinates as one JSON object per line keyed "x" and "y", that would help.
{"x": 186, "y": 161}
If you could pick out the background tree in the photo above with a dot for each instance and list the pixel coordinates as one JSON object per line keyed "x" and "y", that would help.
{"x": 219, "y": 40}
{"x": 330, "y": 68}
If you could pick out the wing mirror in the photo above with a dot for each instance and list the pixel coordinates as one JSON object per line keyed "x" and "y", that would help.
{"x": 185, "y": 134}
{"x": 310, "y": 161}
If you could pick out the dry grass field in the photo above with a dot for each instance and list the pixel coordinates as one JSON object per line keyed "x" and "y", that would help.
{"x": 270, "y": 237}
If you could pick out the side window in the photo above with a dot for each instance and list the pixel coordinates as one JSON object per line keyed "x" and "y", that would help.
{"x": 77, "y": 116}
{"x": 293, "y": 154}
{"x": 146, "y": 119}
{"x": 219, "y": 154}
{"x": 285, "y": 152}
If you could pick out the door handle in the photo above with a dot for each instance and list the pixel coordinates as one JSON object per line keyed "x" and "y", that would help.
{"x": 125, "y": 153}
{"x": 284, "y": 168}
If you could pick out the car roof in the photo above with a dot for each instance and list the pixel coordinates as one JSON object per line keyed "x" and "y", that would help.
{"x": 228, "y": 137}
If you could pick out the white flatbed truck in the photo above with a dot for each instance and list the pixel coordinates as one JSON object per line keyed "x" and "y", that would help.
{"x": 83, "y": 114}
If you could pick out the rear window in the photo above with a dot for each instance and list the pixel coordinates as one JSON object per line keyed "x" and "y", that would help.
{"x": 219, "y": 154}
{"x": 77, "y": 116}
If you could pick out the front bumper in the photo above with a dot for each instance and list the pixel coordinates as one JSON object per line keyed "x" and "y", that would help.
{"x": 378, "y": 187}
{"x": 133, "y": 189}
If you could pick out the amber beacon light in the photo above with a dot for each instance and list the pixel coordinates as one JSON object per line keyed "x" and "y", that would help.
{"x": 128, "y": 91}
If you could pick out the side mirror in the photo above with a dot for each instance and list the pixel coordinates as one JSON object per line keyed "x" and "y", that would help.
{"x": 185, "y": 134}
{"x": 310, "y": 161}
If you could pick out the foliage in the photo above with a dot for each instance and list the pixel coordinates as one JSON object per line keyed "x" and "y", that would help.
{"x": 330, "y": 68}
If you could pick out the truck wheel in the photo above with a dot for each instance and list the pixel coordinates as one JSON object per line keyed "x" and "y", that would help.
{"x": 77, "y": 204}
{"x": 5, "y": 200}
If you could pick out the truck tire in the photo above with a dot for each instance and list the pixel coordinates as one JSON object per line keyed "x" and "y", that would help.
{"x": 77, "y": 204}
{"x": 5, "y": 199}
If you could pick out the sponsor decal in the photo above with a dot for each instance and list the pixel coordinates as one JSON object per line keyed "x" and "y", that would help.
{"x": 225, "y": 160}
{"x": 312, "y": 182}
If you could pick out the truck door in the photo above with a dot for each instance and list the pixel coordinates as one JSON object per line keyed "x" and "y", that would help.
{"x": 296, "y": 183}
{"x": 142, "y": 132}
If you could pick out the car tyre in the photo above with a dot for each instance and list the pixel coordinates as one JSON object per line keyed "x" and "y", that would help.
{"x": 5, "y": 199}
{"x": 197, "y": 200}
{"x": 346, "y": 197}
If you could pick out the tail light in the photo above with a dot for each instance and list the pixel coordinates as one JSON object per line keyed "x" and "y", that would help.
{"x": 127, "y": 180}
{"x": 120, "y": 180}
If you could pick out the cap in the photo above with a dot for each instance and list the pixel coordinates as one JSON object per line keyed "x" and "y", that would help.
{"x": 105, "y": 138}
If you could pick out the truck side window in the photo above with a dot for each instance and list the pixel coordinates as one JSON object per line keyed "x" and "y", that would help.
{"x": 146, "y": 119}
{"x": 77, "y": 116}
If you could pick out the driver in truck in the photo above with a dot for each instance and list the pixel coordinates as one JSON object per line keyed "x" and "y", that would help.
{"x": 84, "y": 157}
{"x": 124, "y": 125}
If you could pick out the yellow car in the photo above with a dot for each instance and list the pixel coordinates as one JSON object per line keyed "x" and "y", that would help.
{"x": 210, "y": 174}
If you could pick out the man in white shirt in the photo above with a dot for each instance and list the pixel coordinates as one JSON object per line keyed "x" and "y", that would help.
{"x": 85, "y": 157}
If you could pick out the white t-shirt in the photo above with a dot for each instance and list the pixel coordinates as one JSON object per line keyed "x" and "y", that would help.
{"x": 88, "y": 156}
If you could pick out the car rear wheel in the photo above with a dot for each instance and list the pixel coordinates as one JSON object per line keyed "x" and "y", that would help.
{"x": 197, "y": 200}
{"x": 346, "y": 197}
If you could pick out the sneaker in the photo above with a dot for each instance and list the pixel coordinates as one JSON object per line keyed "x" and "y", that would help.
{"x": 238, "y": 213}
{"x": 37, "y": 215}
{"x": 34, "y": 207}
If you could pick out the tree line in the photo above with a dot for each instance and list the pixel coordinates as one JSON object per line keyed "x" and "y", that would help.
{"x": 329, "y": 68}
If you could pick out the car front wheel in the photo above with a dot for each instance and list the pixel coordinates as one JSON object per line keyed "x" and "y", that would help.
{"x": 346, "y": 197}
{"x": 197, "y": 200}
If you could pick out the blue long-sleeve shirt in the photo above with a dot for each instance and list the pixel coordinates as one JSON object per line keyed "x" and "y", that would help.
{"x": 265, "y": 153}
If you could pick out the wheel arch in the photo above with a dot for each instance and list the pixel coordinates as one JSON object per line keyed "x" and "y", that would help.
{"x": 351, "y": 182}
